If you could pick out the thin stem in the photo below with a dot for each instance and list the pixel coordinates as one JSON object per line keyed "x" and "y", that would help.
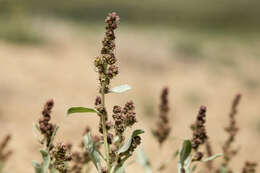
{"x": 103, "y": 121}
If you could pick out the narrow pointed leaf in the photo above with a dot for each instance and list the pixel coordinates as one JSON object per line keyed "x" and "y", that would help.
{"x": 185, "y": 151}
{"x": 126, "y": 146}
{"x": 36, "y": 129}
{"x": 52, "y": 136}
{"x": 80, "y": 110}
{"x": 120, "y": 89}
{"x": 53, "y": 170}
{"x": 46, "y": 161}
{"x": 120, "y": 169}
{"x": 212, "y": 157}
{"x": 37, "y": 167}
{"x": 143, "y": 160}
{"x": 91, "y": 150}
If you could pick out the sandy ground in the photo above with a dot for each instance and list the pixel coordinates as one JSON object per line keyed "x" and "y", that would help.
{"x": 63, "y": 70}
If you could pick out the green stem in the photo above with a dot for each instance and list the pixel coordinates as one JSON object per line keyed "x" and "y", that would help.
{"x": 103, "y": 121}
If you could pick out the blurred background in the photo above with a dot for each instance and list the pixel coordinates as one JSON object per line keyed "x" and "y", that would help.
{"x": 204, "y": 51}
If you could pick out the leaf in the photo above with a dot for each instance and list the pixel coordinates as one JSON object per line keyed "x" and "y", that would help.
{"x": 53, "y": 170}
{"x": 35, "y": 129}
{"x": 46, "y": 161}
{"x": 80, "y": 110}
{"x": 37, "y": 167}
{"x": 120, "y": 169}
{"x": 126, "y": 146}
{"x": 185, "y": 151}
{"x": 193, "y": 168}
{"x": 52, "y": 136}
{"x": 223, "y": 170}
{"x": 142, "y": 159}
{"x": 212, "y": 157}
{"x": 120, "y": 89}
{"x": 93, "y": 153}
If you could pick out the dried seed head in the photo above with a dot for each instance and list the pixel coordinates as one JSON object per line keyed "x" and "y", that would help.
{"x": 163, "y": 129}
{"x": 232, "y": 130}
{"x": 199, "y": 130}
{"x": 45, "y": 126}
{"x": 61, "y": 156}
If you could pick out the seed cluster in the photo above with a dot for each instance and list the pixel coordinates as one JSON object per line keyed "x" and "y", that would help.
{"x": 199, "y": 130}
{"x": 232, "y": 130}
{"x": 61, "y": 156}
{"x": 4, "y": 155}
{"x": 46, "y": 127}
{"x": 123, "y": 118}
{"x": 105, "y": 63}
{"x": 249, "y": 167}
{"x": 163, "y": 128}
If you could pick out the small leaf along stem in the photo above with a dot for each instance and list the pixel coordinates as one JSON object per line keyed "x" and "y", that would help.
{"x": 103, "y": 121}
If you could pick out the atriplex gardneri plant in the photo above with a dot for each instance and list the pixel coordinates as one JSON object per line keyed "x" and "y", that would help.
{"x": 117, "y": 148}
{"x": 111, "y": 149}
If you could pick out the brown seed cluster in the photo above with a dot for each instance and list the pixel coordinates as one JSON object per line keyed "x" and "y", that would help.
{"x": 249, "y": 167}
{"x": 105, "y": 63}
{"x": 60, "y": 156}
{"x": 46, "y": 127}
{"x": 4, "y": 153}
{"x": 163, "y": 128}
{"x": 232, "y": 130}
{"x": 199, "y": 130}
{"x": 123, "y": 118}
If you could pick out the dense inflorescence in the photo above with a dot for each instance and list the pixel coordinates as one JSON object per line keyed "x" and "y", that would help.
{"x": 105, "y": 63}
{"x": 199, "y": 129}
{"x": 60, "y": 156}
{"x": 163, "y": 128}
{"x": 46, "y": 127}
{"x": 4, "y": 153}
{"x": 232, "y": 130}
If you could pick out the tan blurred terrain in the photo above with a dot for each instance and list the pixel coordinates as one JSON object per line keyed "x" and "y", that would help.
{"x": 200, "y": 69}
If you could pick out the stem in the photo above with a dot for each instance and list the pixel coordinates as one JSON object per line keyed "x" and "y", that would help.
{"x": 103, "y": 121}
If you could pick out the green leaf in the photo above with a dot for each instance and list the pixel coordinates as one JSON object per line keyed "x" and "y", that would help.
{"x": 142, "y": 159}
{"x": 193, "y": 168}
{"x": 37, "y": 167}
{"x": 46, "y": 161}
{"x": 120, "y": 89}
{"x": 126, "y": 146}
{"x": 91, "y": 150}
{"x": 185, "y": 151}
{"x": 120, "y": 169}
{"x": 80, "y": 110}
{"x": 35, "y": 133}
{"x": 212, "y": 157}
{"x": 53, "y": 170}
{"x": 223, "y": 170}
{"x": 52, "y": 136}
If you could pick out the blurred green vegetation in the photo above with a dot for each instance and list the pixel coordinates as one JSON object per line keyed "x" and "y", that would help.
{"x": 200, "y": 13}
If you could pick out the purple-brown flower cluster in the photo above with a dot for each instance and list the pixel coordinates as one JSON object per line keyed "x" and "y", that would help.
{"x": 46, "y": 127}
{"x": 105, "y": 63}
{"x": 232, "y": 130}
{"x": 163, "y": 128}
{"x": 60, "y": 156}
